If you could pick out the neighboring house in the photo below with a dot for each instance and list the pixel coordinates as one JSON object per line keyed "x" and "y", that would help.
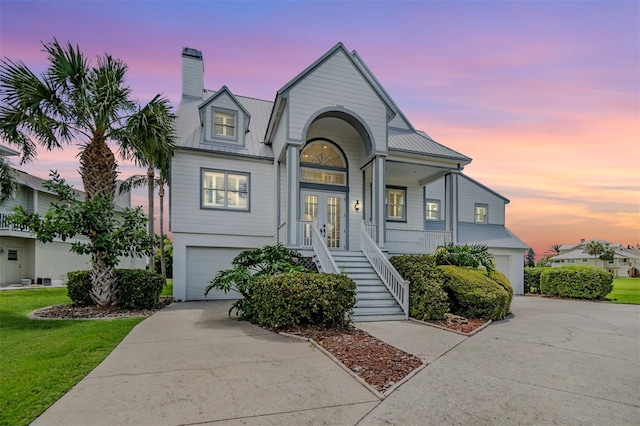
{"x": 332, "y": 168}
{"x": 625, "y": 263}
{"x": 22, "y": 257}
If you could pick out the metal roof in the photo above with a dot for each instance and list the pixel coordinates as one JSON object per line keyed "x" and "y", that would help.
{"x": 420, "y": 143}
{"x": 189, "y": 127}
{"x": 581, "y": 254}
{"x": 493, "y": 236}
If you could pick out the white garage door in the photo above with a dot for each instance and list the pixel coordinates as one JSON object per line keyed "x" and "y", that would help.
{"x": 203, "y": 263}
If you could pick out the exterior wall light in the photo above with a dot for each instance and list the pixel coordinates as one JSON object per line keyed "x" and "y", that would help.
{"x": 356, "y": 206}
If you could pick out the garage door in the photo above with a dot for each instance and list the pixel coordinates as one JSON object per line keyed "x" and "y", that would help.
{"x": 503, "y": 264}
{"x": 203, "y": 263}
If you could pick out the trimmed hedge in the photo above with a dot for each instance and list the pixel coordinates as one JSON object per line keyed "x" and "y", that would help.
{"x": 532, "y": 279}
{"x": 582, "y": 282}
{"x": 136, "y": 288}
{"x": 290, "y": 299}
{"x": 472, "y": 294}
{"x": 427, "y": 298}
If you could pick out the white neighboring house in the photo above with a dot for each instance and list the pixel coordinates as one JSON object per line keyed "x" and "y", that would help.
{"x": 625, "y": 263}
{"x": 22, "y": 257}
{"x": 332, "y": 168}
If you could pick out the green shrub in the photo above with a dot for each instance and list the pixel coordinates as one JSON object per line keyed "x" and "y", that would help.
{"x": 139, "y": 289}
{"x": 503, "y": 282}
{"x": 532, "y": 280}
{"x": 472, "y": 256}
{"x": 473, "y": 294}
{"x": 135, "y": 288}
{"x": 291, "y": 299}
{"x": 583, "y": 282}
{"x": 427, "y": 299}
{"x": 79, "y": 287}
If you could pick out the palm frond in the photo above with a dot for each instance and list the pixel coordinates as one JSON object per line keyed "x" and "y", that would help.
{"x": 135, "y": 181}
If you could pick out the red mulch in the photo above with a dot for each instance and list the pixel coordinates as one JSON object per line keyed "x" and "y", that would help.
{"x": 376, "y": 362}
{"x": 471, "y": 325}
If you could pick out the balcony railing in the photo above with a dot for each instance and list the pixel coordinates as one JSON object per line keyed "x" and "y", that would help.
{"x": 4, "y": 223}
{"x": 415, "y": 241}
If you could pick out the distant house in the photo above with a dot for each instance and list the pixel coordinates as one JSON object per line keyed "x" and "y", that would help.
{"x": 625, "y": 263}
{"x": 22, "y": 257}
{"x": 331, "y": 167}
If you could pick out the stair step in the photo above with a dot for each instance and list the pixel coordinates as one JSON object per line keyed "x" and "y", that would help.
{"x": 369, "y": 318}
{"x": 378, "y": 311}
{"x": 377, "y": 303}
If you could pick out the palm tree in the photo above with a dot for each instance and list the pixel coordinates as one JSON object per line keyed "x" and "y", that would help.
{"x": 554, "y": 249}
{"x": 71, "y": 101}
{"x": 149, "y": 142}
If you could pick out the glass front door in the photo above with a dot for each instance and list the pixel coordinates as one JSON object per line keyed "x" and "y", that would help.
{"x": 327, "y": 211}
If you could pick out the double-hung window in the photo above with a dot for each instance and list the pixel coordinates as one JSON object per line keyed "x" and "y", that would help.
{"x": 224, "y": 124}
{"x": 432, "y": 210}
{"x": 225, "y": 190}
{"x": 481, "y": 213}
{"x": 396, "y": 201}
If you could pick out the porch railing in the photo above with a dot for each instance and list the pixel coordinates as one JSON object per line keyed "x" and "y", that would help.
{"x": 397, "y": 285}
{"x": 306, "y": 234}
{"x": 320, "y": 249}
{"x": 415, "y": 241}
{"x": 371, "y": 230}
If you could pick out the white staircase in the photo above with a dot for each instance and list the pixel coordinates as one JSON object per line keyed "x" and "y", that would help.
{"x": 375, "y": 302}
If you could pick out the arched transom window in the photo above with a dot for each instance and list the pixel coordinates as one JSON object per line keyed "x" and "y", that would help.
{"x": 322, "y": 163}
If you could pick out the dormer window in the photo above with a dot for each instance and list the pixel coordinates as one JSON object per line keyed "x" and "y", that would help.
{"x": 481, "y": 213}
{"x": 224, "y": 124}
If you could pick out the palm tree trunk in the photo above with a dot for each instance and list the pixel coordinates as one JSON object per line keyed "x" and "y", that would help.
{"x": 161, "y": 195}
{"x": 150, "y": 191}
{"x": 98, "y": 171}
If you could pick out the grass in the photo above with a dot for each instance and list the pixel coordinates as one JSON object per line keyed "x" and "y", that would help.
{"x": 625, "y": 290}
{"x": 41, "y": 360}
{"x": 168, "y": 289}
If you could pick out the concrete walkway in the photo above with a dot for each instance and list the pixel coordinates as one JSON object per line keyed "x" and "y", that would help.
{"x": 552, "y": 362}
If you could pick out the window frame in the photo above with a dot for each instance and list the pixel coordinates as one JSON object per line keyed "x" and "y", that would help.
{"x": 214, "y": 135}
{"x": 387, "y": 190}
{"x": 486, "y": 213}
{"x": 426, "y": 209}
{"x": 226, "y": 173}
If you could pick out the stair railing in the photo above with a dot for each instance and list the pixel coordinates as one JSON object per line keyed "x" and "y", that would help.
{"x": 397, "y": 285}
{"x": 325, "y": 260}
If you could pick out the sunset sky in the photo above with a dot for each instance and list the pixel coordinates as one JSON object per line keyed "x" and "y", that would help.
{"x": 544, "y": 96}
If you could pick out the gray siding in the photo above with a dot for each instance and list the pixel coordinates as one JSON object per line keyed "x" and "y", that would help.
{"x": 192, "y": 77}
{"x": 470, "y": 194}
{"x": 336, "y": 82}
{"x": 225, "y": 103}
{"x": 414, "y": 206}
{"x": 435, "y": 191}
{"x": 186, "y": 214}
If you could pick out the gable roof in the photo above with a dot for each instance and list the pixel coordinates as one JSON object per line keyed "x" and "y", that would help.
{"x": 223, "y": 90}
{"x": 339, "y": 47}
{"x": 506, "y": 200}
{"x": 493, "y": 236}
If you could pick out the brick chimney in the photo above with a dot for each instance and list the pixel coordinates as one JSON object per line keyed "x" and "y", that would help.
{"x": 192, "y": 73}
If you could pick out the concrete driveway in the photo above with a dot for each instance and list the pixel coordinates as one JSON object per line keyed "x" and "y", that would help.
{"x": 552, "y": 362}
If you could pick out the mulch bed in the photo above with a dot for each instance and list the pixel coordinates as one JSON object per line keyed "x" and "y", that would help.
{"x": 69, "y": 311}
{"x": 471, "y": 325}
{"x": 376, "y": 362}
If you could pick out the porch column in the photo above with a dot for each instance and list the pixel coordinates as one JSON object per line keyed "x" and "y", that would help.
{"x": 293, "y": 189}
{"x": 451, "y": 205}
{"x": 377, "y": 202}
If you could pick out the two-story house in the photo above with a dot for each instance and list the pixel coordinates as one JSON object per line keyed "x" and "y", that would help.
{"x": 330, "y": 167}
{"x": 23, "y": 259}
{"x": 625, "y": 262}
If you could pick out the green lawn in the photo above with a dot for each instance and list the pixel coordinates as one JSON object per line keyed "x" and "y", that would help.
{"x": 168, "y": 289}
{"x": 40, "y": 360}
{"x": 625, "y": 290}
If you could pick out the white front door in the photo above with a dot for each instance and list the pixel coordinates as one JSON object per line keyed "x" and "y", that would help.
{"x": 328, "y": 211}
{"x": 14, "y": 265}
